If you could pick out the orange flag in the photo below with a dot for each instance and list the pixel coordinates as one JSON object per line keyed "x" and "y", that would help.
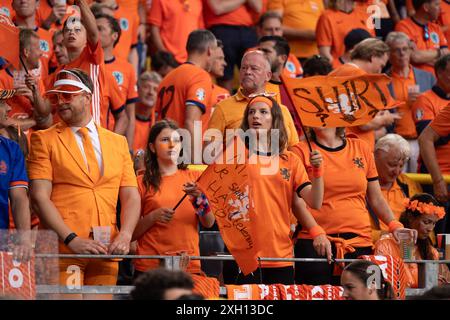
{"x": 229, "y": 191}
{"x": 9, "y": 41}
{"x": 331, "y": 101}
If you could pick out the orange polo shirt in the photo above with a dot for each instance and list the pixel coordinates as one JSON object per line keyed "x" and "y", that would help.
{"x": 405, "y": 126}
{"x": 426, "y": 108}
{"x": 333, "y": 26}
{"x": 242, "y": 16}
{"x": 176, "y": 19}
{"x": 272, "y": 195}
{"x": 129, "y": 23}
{"x": 180, "y": 234}
{"x": 347, "y": 171}
{"x": 302, "y": 15}
{"x": 368, "y": 136}
{"x": 417, "y": 34}
{"x": 293, "y": 67}
{"x": 187, "y": 84}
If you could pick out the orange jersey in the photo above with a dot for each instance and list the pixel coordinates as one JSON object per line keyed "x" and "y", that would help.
{"x": 181, "y": 233}
{"x": 46, "y": 45}
{"x": 293, "y": 67}
{"x": 333, "y": 26}
{"x": 428, "y": 37}
{"x": 129, "y": 22}
{"x": 425, "y": 109}
{"x": 302, "y": 15}
{"x": 141, "y": 132}
{"x": 106, "y": 96}
{"x": 441, "y": 123}
{"x": 186, "y": 85}
{"x": 368, "y": 136}
{"x": 21, "y": 106}
{"x": 125, "y": 76}
{"x": 272, "y": 196}
{"x": 218, "y": 94}
{"x": 241, "y": 16}
{"x": 347, "y": 171}
{"x": 175, "y": 20}
{"x": 6, "y": 9}
{"x": 405, "y": 126}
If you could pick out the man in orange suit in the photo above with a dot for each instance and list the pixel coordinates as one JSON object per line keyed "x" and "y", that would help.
{"x": 77, "y": 171}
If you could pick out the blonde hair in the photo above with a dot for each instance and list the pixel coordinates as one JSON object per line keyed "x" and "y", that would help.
{"x": 368, "y": 48}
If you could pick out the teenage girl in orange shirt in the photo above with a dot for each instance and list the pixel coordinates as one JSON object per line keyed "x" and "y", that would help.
{"x": 161, "y": 230}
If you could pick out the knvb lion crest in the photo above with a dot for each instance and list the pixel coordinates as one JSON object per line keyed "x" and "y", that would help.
{"x": 285, "y": 173}
{"x": 358, "y": 162}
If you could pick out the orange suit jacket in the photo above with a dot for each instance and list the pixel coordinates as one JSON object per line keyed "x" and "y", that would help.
{"x": 83, "y": 204}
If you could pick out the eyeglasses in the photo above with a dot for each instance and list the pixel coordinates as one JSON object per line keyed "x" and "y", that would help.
{"x": 263, "y": 94}
{"x": 57, "y": 98}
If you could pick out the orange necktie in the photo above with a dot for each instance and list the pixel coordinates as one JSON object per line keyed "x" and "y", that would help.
{"x": 93, "y": 167}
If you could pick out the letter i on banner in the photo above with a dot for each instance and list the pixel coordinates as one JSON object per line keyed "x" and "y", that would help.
{"x": 17, "y": 278}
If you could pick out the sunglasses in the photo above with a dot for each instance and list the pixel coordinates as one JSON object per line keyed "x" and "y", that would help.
{"x": 57, "y": 98}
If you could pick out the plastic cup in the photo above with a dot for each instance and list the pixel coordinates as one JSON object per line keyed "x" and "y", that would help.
{"x": 443, "y": 241}
{"x": 406, "y": 245}
{"x": 102, "y": 234}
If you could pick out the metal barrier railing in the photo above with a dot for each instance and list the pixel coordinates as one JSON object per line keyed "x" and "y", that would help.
{"x": 428, "y": 271}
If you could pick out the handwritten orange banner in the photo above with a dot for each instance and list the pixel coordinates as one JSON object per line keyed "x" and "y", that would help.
{"x": 228, "y": 189}
{"x": 330, "y": 101}
{"x": 9, "y": 41}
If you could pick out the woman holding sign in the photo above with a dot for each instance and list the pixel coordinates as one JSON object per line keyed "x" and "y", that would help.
{"x": 350, "y": 177}
{"x": 161, "y": 230}
{"x": 277, "y": 193}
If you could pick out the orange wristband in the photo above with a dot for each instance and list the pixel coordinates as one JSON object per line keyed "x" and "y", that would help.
{"x": 316, "y": 231}
{"x": 394, "y": 225}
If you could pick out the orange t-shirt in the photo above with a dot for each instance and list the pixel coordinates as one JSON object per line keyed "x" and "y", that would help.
{"x": 21, "y": 107}
{"x": 347, "y": 171}
{"x": 426, "y": 108}
{"x": 348, "y": 69}
{"x": 302, "y": 15}
{"x": 242, "y": 16}
{"x": 129, "y": 22}
{"x": 441, "y": 124}
{"x": 6, "y": 9}
{"x": 185, "y": 85}
{"x": 141, "y": 132}
{"x": 405, "y": 126}
{"x": 176, "y": 19}
{"x": 293, "y": 67}
{"x": 106, "y": 96}
{"x": 46, "y": 45}
{"x": 432, "y": 40}
{"x": 180, "y": 234}
{"x": 218, "y": 94}
{"x": 333, "y": 26}
{"x": 444, "y": 18}
{"x": 272, "y": 196}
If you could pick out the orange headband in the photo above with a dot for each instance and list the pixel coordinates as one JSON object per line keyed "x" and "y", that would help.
{"x": 262, "y": 99}
{"x": 424, "y": 208}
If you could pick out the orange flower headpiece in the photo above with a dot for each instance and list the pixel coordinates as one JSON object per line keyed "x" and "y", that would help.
{"x": 424, "y": 208}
